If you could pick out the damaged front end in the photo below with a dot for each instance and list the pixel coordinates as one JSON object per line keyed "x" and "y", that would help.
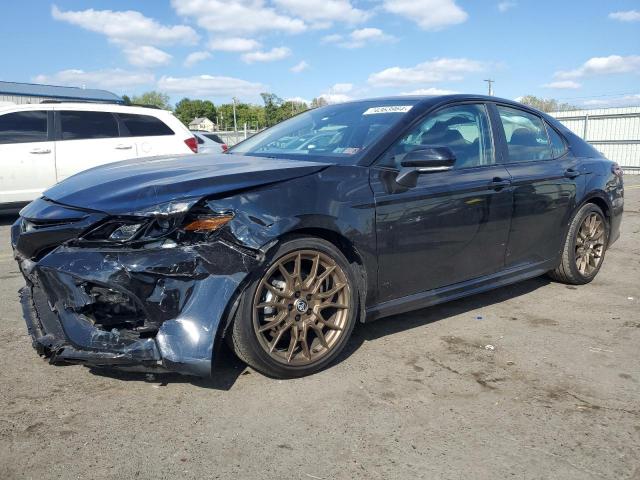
{"x": 145, "y": 291}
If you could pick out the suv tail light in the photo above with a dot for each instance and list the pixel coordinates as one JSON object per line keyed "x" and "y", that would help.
{"x": 616, "y": 170}
{"x": 224, "y": 148}
{"x": 192, "y": 143}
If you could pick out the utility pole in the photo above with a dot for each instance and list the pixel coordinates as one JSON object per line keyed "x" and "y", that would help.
{"x": 235, "y": 123}
{"x": 490, "y": 83}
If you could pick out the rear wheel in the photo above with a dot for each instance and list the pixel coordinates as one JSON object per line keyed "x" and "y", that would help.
{"x": 296, "y": 315}
{"x": 584, "y": 247}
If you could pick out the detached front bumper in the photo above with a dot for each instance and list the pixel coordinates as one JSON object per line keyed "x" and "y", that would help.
{"x": 144, "y": 309}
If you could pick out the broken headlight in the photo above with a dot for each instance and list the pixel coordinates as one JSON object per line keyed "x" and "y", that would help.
{"x": 190, "y": 227}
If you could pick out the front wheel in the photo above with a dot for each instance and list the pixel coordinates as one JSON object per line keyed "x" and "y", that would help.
{"x": 297, "y": 314}
{"x": 584, "y": 247}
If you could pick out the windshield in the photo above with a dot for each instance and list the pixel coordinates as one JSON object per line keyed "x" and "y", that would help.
{"x": 333, "y": 133}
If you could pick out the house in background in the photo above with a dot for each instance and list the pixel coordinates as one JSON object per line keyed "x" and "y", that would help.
{"x": 202, "y": 123}
{"x": 21, "y": 93}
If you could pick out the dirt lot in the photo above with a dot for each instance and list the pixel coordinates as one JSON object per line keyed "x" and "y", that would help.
{"x": 421, "y": 395}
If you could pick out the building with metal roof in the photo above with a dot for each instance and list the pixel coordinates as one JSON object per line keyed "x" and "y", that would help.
{"x": 20, "y": 93}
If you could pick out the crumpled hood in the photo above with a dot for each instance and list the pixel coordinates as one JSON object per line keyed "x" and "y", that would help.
{"x": 124, "y": 187}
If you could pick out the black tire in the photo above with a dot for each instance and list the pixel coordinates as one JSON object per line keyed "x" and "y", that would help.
{"x": 567, "y": 271}
{"x": 243, "y": 337}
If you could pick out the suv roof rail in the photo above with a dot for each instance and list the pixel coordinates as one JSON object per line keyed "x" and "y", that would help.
{"x": 83, "y": 101}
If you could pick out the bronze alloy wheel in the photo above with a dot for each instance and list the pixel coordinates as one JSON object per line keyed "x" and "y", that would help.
{"x": 301, "y": 307}
{"x": 590, "y": 243}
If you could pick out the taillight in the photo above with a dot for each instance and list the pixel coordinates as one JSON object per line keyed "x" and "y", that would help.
{"x": 224, "y": 148}
{"x": 192, "y": 143}
{"x": 616, "y": 170}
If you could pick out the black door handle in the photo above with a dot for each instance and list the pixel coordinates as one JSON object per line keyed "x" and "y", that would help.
{"x": 498, "y": 183}
{"x": 571, "y": 173}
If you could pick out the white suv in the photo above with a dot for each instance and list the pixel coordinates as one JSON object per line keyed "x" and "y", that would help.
{"x": 44, "y": 143}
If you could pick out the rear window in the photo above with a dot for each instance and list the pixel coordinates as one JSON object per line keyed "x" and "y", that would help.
{"x": 23, "y": 127}
{"x": 144, "y": 125}
{"x": 213, "y": 136}
{"x": 557, "y": 143}
{"x": 80, "y": 125}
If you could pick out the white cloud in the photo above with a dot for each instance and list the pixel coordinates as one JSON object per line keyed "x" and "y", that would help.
{"x": 358, "y": 38}
{"x": 110, "y": 79}
{"x": 506, "y": 5}
{"x": 628, "y": 16}
{"x": 237, "y": 16}
{"x": 299, "y": 67}
{"x": 277, "y": 53}
{"x": 196, "y": 57}
{"x": 323, "y": 12}
{"x": 603, "y": 66}
{"x": 129, "y": 27}
{"x": 338, "y": 93}
{"x": 437, "y": 70}
{"x": 333, "y": 38}
{"x": 335, "y": 97}
{"x": 234, "y": 44}
{"x": 210, "y": 86}
{"x": 428, "y": 14}
{"x": 563, "y": 84}
{"x": 146, "y": 56}
{"x": 430, "y": 91}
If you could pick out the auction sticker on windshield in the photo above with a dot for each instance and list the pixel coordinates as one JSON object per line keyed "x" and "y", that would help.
{"x": 389, "y": 109}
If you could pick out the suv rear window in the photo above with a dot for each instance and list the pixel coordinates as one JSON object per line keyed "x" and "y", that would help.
{"x": 213, "y": 136}
{"x": 23, "y": 127}
{"x": 144, "y": 125}
{"x": 82, "y": 125}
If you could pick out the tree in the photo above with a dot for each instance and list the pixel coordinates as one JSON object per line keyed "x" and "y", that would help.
{"x": 157, "y": 99}
{"x": 318, "y": 102}
{"x": 546, "y": 104}
{"x": 271, "y": 104}
{"x": 289, "y": 109}
{"x": 126, "y": 100}
{"x": 186, "y": 110}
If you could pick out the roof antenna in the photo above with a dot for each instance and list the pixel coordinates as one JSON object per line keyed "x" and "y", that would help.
{"x": 490, "y": 83}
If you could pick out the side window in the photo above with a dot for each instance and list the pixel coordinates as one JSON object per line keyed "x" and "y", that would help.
{"x": 463, "y": 128}
{"x": 144, "y": 125}
{"x": 525, "y": 134}
{"x": 23, "y": 127}
{"x": 199, "y": 140}
{"x": 82, "y": 125}
{"x": 558, "y": 145}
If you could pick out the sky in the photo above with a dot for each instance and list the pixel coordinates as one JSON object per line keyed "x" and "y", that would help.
{"x": 583, "y": 52}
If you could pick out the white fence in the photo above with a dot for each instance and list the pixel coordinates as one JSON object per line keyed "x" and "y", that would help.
{"x": 613, "y": 131}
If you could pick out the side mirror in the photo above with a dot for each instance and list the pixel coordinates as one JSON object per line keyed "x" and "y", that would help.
{"x": 424, "y": 160}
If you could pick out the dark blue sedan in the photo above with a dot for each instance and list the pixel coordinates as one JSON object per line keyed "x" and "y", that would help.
{"x": 341, "y": 214}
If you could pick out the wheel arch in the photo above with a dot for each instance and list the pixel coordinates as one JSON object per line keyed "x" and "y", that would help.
{"x": 338, "y": 240}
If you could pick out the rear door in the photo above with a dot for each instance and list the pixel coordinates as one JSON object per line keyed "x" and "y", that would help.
{"x": 546, "y": 180}
{"x": 27, "y": 155}
{"x": 151, "y": 135}
{"x": 86, "y": 139}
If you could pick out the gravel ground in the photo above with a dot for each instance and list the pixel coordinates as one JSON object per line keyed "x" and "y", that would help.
{"x": 421, "y": 395}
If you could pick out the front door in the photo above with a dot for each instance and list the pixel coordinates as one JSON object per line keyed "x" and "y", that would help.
{"x": 452, "y": 226}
